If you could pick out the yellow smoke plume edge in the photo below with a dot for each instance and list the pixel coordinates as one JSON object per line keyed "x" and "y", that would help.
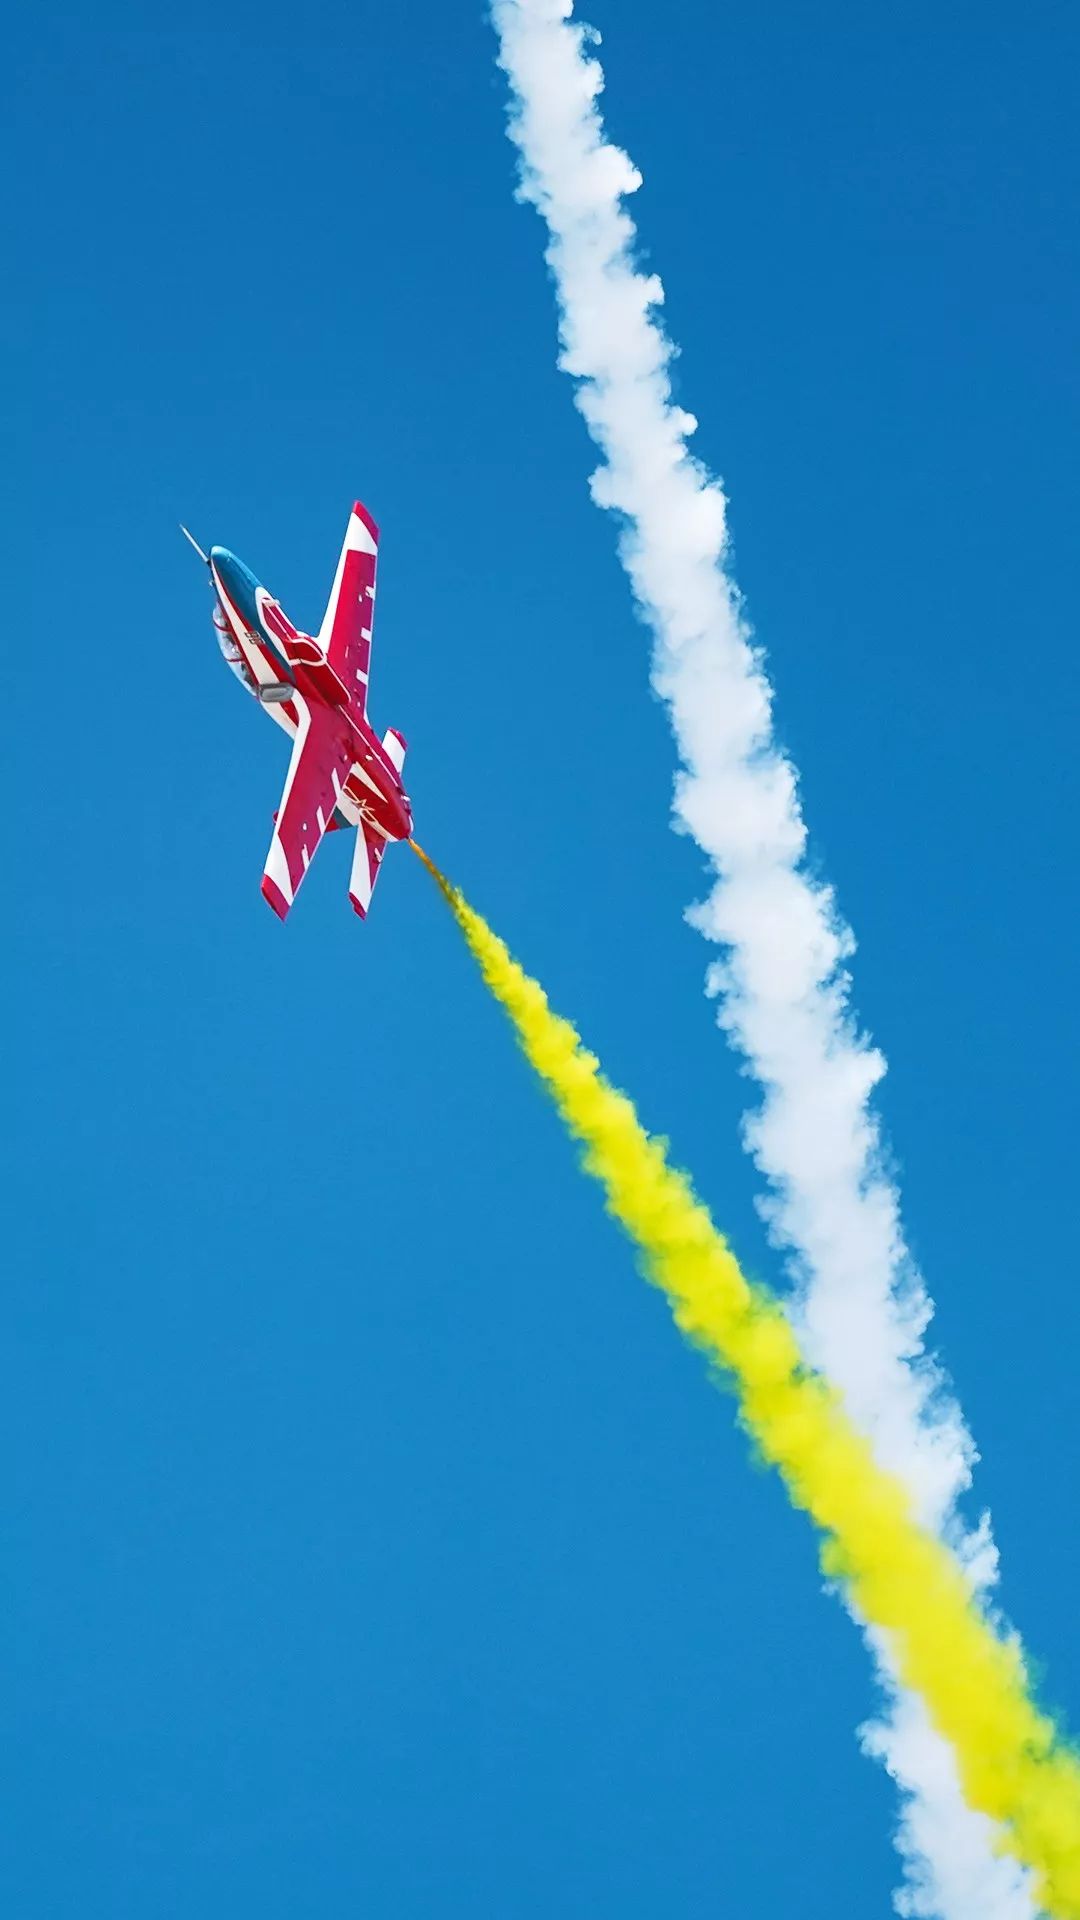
{"x": 1013, "y": 1763}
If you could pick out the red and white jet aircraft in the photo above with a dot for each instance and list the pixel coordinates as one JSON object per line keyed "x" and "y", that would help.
{"x": 341, "y": 774}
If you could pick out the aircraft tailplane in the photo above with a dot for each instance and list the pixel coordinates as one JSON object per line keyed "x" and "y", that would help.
{"x": 370, "y": 843}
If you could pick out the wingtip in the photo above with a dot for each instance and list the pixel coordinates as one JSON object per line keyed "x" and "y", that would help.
{"x": 368, "y": 519}
{"x": 274, "y": 897}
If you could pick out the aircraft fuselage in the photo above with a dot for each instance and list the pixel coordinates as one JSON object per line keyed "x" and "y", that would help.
{"x": 277, "y": 661}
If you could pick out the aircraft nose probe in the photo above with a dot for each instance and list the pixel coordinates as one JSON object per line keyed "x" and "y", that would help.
{"x": 204, "y": 557}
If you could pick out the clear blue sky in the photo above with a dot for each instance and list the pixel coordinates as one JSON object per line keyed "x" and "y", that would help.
{"x": 373, "y": 1545}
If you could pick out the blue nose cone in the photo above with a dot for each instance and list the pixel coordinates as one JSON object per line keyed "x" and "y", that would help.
{"x": 238, "y": 582}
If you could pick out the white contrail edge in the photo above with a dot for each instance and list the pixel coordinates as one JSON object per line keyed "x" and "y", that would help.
{"x": 783, "y": 994}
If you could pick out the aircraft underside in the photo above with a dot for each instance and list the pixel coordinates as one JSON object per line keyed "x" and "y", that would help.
{"x": 315, "y": 688}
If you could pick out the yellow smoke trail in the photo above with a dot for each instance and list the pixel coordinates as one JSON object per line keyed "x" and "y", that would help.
{"x": 1013, "y": 1764}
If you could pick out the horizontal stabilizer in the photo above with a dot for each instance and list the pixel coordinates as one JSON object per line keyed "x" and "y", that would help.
{"x": 367, "y": 859}
{"x": 395, "y": 745}
{"x": 370, "y": 844}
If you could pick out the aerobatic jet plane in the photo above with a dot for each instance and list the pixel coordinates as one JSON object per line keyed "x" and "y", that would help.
{"x": 340, "y": 774}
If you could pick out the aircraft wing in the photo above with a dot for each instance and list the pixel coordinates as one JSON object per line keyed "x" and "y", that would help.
{"x": 317, "y": 771}
{"x": 345, "y": 634}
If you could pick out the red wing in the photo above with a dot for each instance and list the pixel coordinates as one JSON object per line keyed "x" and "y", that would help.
{"x": 345, "y": 634}
{"x": 316, "y": 775}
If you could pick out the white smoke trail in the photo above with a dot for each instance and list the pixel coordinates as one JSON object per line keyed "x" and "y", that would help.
{"x": 782, "y": 989}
